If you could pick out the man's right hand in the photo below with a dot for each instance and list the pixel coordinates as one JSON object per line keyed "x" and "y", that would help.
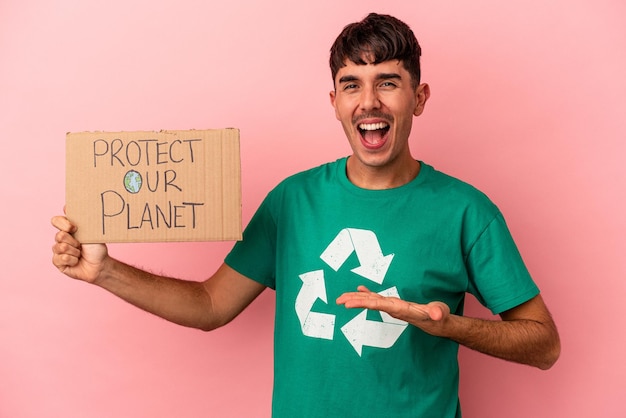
{"x": 82, "y": 262}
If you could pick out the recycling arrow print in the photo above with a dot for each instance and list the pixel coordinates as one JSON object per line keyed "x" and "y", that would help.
{"x": 314, "y": 324}
{"x": 373, "y": 264}
{"x": 362, "y": 332}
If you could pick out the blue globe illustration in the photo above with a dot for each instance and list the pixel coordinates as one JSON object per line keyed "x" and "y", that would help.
{"x": 133, "y": 181}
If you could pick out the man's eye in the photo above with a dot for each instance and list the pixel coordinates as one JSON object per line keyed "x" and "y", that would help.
{"x": 388, "y": 84}
{"x": 349, "y": 86}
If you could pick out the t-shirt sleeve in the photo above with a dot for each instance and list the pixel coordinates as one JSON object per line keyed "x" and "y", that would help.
{"x": 498, "y": 276}
{"x": 255, "y": 255}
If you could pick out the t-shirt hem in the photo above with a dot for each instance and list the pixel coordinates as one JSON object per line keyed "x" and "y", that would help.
{"x": 510, "y": 304}
{"x": 249, "y": 276}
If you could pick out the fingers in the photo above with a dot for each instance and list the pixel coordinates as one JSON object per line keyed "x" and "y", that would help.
{"x": 63, "y": 239}
{"x": 354, "y": 299}
{"x": 65, "y": 244}
{"x": 63, "y": 224}
{"x": 66, "y": 249}
{"x": 396, "y": 307}
{"x": 364, "y": 298}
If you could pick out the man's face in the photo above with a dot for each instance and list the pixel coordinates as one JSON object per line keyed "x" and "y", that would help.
{"x": 375, "y": 104}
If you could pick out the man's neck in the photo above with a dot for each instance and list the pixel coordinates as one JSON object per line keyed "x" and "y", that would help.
{"x": 380, "y": 178}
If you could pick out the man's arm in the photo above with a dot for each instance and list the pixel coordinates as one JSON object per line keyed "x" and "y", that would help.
{"x": 205, "y": 305}
{"x": 526, "y": 334}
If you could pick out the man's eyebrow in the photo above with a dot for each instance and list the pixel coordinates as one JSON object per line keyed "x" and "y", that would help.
{"x": 389, "y": 76}
{"x": 348, "y": 78}
{"x": 382, "y": 76}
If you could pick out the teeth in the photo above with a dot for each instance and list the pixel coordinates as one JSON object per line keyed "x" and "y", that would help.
{"x": 372, "y": 126}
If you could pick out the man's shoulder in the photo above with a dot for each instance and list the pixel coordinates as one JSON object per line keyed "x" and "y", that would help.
{"x": 452, "y": 188}
{"x": 322, "y": 173}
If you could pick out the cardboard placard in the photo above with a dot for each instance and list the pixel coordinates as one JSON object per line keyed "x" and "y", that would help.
{"x": 154, "y": 186}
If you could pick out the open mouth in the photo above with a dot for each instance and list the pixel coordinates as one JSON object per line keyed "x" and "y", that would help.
{"x": 373, "y": 135}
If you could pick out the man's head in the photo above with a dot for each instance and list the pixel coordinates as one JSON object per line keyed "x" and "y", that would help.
{"x": 376, "y": 39}
{"x": 376, "y": 95}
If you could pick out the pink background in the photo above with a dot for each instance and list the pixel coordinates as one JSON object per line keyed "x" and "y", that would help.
{"x": 527, "y": 104}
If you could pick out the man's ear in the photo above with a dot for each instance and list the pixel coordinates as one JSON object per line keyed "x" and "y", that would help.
{"x": 422, "y": 93}
{"x": 333, "y": 97}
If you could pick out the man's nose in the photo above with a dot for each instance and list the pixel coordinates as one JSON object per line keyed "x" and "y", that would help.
{"x": 369, "y": 99}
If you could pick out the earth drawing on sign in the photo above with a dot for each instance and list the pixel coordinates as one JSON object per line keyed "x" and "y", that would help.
{"x": 133, "y": 181}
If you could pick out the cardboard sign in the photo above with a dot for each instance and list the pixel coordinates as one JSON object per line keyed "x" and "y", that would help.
{"x": 154, "y": 186}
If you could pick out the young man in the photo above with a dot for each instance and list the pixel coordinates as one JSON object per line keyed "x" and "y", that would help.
{"x": 376, "y": 231}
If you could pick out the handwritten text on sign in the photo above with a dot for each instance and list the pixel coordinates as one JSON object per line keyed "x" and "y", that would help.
{"x": 154, "y": 186}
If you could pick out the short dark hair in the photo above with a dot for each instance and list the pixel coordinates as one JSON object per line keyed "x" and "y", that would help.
{"x": 375, "y": 39}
